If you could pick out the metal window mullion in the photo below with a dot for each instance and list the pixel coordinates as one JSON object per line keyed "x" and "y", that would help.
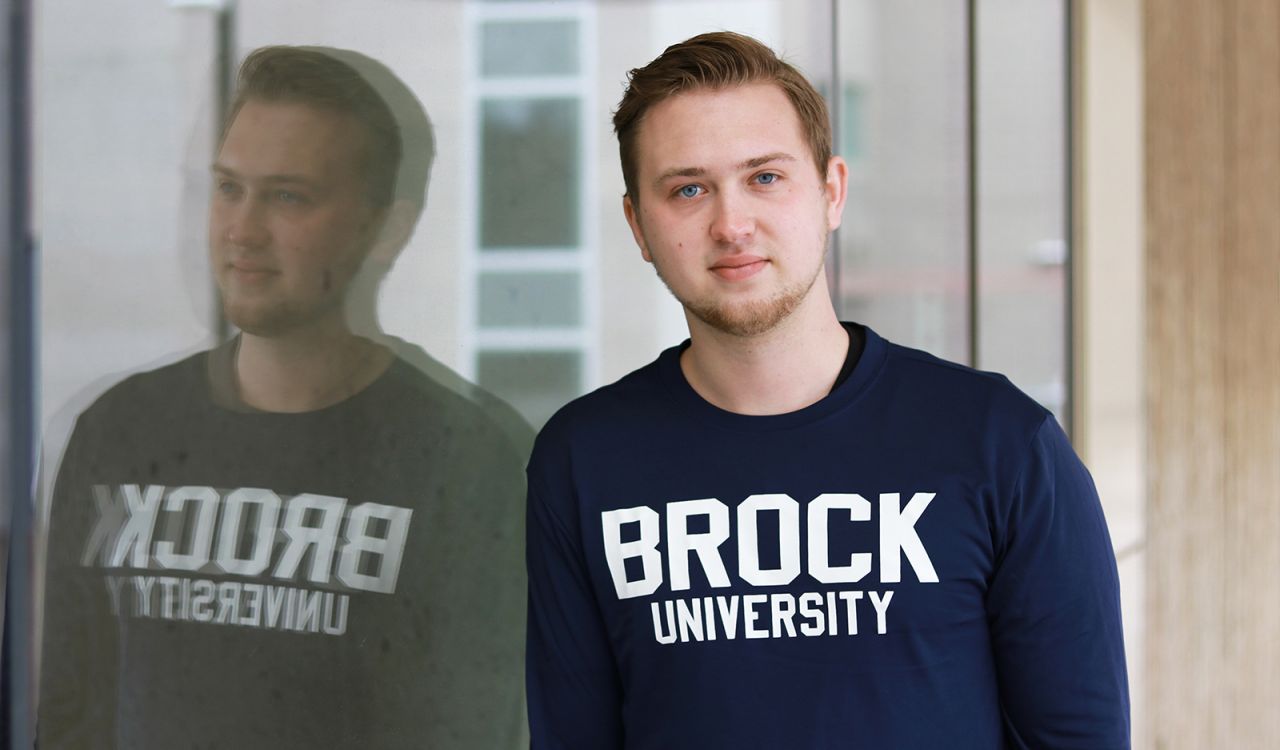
{"x": 545, "y": 87}
{"x": 1069, "y": 359}
{"x": 224, "y": 88}
{"x": 836, "y": 106}
{"x": 530, "y": 261}
{"x": 971, "y": 167}
{"x": 18, "y": 677}
{"x": 521, "y": 338}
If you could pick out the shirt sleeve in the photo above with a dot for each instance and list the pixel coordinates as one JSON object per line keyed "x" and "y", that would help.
{"x": 1054, "y": 608}
{"x": 575, "y": 698}
{"x": 78, "y": 698}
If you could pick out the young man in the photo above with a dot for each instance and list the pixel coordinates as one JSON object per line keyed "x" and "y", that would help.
{"x": 789, "y": 532}
{"x": 295, "y": 540}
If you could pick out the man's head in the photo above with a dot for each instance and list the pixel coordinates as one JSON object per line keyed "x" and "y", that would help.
{"x": 731, "y": 188}
{"x": 714, "y": 61}
{"x": 319, "y": 80}
{"x": 309, "y": 168}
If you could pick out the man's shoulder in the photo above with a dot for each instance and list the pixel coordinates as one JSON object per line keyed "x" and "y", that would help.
{"x": 608, "y": 421}
{"x": 422, "y": 400}
{"x": 144, "y": 407}
{"x": 436, "y": 388}
{"x": 156, "y": 388}
{"x": 951, "y": 392}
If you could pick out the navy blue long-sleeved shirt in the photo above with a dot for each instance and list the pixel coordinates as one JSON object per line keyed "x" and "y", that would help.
{"x": 918, "y": 560}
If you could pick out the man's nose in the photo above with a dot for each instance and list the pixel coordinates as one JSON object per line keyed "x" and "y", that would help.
{"x": 733, "y": 219}
{"x": 244, "y": 223}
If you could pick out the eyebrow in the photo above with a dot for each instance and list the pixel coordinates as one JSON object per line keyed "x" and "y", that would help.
{"x": 292, "y": 178}
{"x": 752, "y": 163}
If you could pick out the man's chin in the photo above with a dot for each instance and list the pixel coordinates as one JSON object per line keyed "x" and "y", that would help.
{"x": 746, "y": 320}
{"x": 276, "y": 321}
{"x": 258, "y": 321}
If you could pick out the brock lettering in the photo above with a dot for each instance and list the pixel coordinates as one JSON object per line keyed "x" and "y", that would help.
{"x": 249, "y": 532}
{"x": 897, "y": 539}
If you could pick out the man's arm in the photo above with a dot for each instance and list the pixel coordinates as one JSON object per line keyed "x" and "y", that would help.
{"x": 574, "y": 694}
{"x": 1054, "y": 608}
{"x": 78, "y": 666}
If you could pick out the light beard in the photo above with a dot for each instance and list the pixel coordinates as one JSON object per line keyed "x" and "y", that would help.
{"x": 277, "y": 318}
{"x": 752, "y": 317}
{"x": 273, "y": 311}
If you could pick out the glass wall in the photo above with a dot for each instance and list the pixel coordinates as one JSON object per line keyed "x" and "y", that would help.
{"x": 514, "y": 269}
{"x": 1021, "y": 212}
{"x": 953, "y": 119}
{"x": 903, "y": 117}
{"x": 522, "y": 243}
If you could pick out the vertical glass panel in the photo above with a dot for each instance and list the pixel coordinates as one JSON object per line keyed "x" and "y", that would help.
{"x": 536, "y": 383}
{"x": 1022, "y": 211}
{"x": 852, "y": 138}
{"x": 529, "y": 173}
{"x": 529, "y": 299}
{"x": 529, "y": 48}
{"x": 401, "y": 483}
{"x": 902, "y": 125}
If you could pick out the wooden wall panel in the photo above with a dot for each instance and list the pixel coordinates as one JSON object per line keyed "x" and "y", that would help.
{"x": 1185, "y": 181}
{"x": 1251, "y": 341}
{"x": 1212, "y": 160}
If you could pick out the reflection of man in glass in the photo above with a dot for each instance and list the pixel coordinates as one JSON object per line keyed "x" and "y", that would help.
{"x": 789, "y": 532}
{"x": 301, "y": 195}
{"x": 296, "y": 539}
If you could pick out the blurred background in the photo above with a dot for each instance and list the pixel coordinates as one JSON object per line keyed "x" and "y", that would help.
{"x": 1081, "y": 195}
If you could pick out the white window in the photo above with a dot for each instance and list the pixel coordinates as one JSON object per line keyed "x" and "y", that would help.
{"x": 529, "y": 330}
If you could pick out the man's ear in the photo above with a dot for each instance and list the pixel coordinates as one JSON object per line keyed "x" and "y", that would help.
{"x": 836, "y": 189}
{"x": 633, "y": 220}
{"x": 395, "y": 228}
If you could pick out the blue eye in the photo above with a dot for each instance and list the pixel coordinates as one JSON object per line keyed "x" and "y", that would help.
{"x": 767, "y": 178}
{"x": 689, "y": 191}
{"x": 286, "y": 196}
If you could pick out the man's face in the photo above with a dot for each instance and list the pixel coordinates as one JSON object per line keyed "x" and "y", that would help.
{"x": 731, "y": 209}
{"x": 290, "y": 221}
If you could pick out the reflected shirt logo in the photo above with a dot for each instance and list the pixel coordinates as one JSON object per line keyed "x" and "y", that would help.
{"x": 247, "y": 532}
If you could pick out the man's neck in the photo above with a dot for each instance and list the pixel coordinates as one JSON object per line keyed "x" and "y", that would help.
{"x": 792, "y": 366}
{"x": 306, "y": 369}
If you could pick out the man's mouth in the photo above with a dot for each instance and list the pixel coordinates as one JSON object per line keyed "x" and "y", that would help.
{"x": 245, "y": 271}
{"x": 738, "y": 267}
